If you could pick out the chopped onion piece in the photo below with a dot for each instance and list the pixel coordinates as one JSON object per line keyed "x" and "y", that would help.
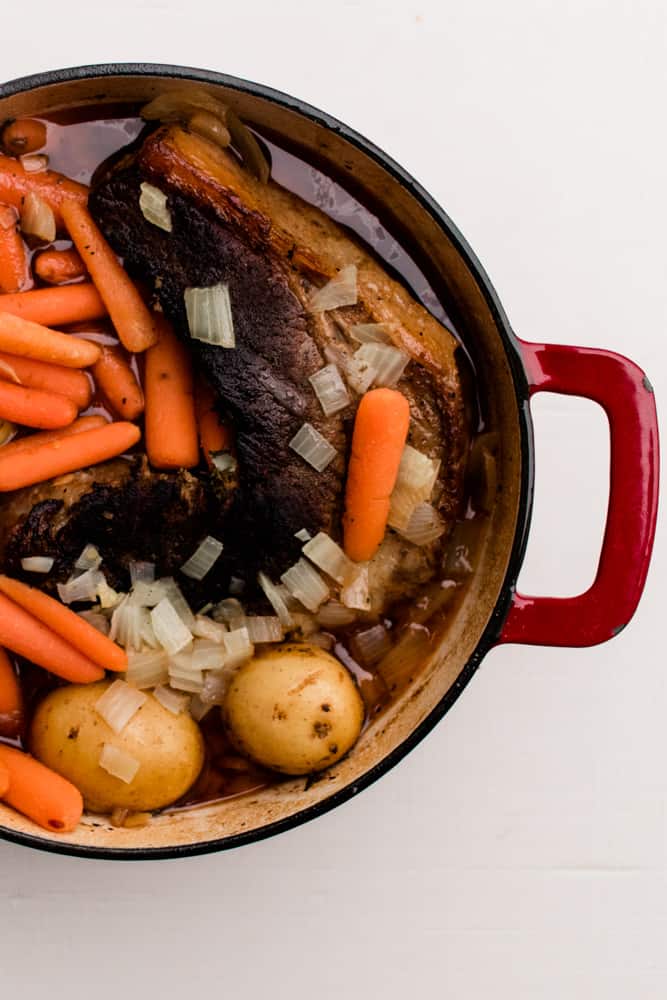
{"x": 303, "y": 535}
{"x": 425, "y": 525}
{"x": 170, "y": 631}
{"x": 238, "y": 647}
{"x": 329, "y": 557}
{"x": 118, "y": 763}
{"x": 153, "y": 205}
{"x": 127, "y": 625}
{"x": 340, "y": 291}
{"x": 332, "y": 614}
{"x": 306, "y": 584}
{"x": 330, "y": 389}
{"x": 142, "y": 572}
{"x": 206, "y": 628}
{"x": 34, "y": 163}
{"x": 106, "y": 595}
{"x": 198, "y": 709}
{"x": 181, "y": 664}
{"x": 236, "y": 585}
{"x": 312, "y": 447}
{"x": 180, "y": 605}
{"x": 215, "y": 687}
{"x": 146, "y": 631}
{"x": 388, "y": 362}
{"x": 190, "y": 682}
{"x": 370, "y": 333}
{"x": 417, "y": 475}
{"x": 148, "y": 668}
{"x": 208, "y": 654}
{"x": 37, "y": 564}
{"x": 119, "y": 704}
{"x": 360, "y": 374}
{"x": 209, "y": 312}
{"x": 276, "y": 600}
{"x": 97, "y": 620}
{"x": 371, "y": 645}
{"x": 89, "y": 558}
{"x": 202, "y": 559}
{"x": 147, "y": 594}
{"x": 171, "y": 700}
{"x": 355, "y": 594}
{"x": 264, "y": 628}
{"x": 229, "y": 611}
{"x": 81, "y": 588}
{"x": 224, "y": 462}
{"x": 37, "y": 218}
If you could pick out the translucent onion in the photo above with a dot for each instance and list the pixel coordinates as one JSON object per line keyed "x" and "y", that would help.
{"x": 264, "y": 628}
{"x": 238, "y": 646}
{"x": 198, "y": 709}
{"x": 119, "y": 703}
{"x": 118, "y": 763}
{"x": 306, "y": 584}
{"x": 303, "y": 535}
{"x": 355, "y": 593}
{"x": 81, "y": 588}
{"x": 37, "y": 218}
{"x": 417, "y": 475}
{"x": 37, "y": 564}
{"x": 340, "y": 291}
{"x": 215, "y": 687}
{"x": 312, "y": 447}
{"x": 148, "y": 668}
{"x": 370, "y": 333}
{"x": 34, "y": 163}
{"x": 276, "y": 600}
{"x": 371, "y": 645}
{"x": 209, "y": 312}
{"x": 173, "y": 701}
{"x": 146, "y": 594}
{"x": 191, "y": 683}
{"x": 208, "y": 654}
{"x": 224, "y": 462}
{"x": 333, "y": 614}
{"x": 89, "y": 558}
{"x": 180, "y": 605}
{"x": 329, "y": 557}
{"x": 127, "y": 625}
{"x": 142, "y": 572}
{"x": 388, "y": 362}
{"x": 425, "y": 525}
{"x": 206, "y": 628}
{"x": 106, "y": 595}
{"x": 231, "y": 612}
{"x": 360, "y": 374}
{"x": 97, "y": 620}
{"x": 202, "y": 559}
{"x": 170, "y": 631}
{"x": 153, "y": 205}
{"x": 330, "y": 389}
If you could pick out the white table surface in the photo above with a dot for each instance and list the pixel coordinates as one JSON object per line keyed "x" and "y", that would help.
{"x": 520, "y": 850}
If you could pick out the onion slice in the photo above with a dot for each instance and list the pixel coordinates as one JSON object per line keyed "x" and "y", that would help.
{"x": 37, "y": 564}
{"x": 173, "y": 701}
{"x": 119, "y": 704}
{"x": 203, "y": 558}
{"x": 170, "y": 631}
{"x": 148, "y": 668}
{"x": 330, "y": 389}
{"x": 370, "y": 333}
{"x": 264, "y": 628}
{"x": 309, "y": 444}
{"x": 153, "y": 205}
{"x": 37, "y": 218}
{"x": 209, "y": 313}
{"x": 276, "y": 600}
{"x": 118, "y": 763}
{"x": 387, "y": 362}
{"x": 340, "y": 291}
{"x": 329, "y": 557}
{"x": 306, "y": 584}
{"x": 89, "y": 558}
{"x": 425, "y": 525}
{"x": 356, "y": 594}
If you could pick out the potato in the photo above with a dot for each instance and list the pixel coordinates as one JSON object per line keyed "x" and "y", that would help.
{"x": 67, "y": 735}
{"x": 294, "y": 709}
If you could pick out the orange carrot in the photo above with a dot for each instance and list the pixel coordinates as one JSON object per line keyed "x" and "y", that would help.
{"x": 70, "y": 382}
{"x": 380, "y": 431}
{"x": 32, "y": 441}
{"x": 69, "y": 453}
{"x": 32, "y": 340}
{"x": 11, "y": 701}
{"x": 214, "y": 434}
{"x": 56, "y": 306}
{"x": 4, "y": 780}
{"x": 39, "y": 793}
{"x": 14, "y": 270}
{"x": 53, "y": 188}
{"x": 57, "y": 267}
{"x": 66, "y": 624}
{"x": 34, "y": 407}
{"x": 23, "y": 135}
{"x": 171, "y": 425}
{"x": 115, "y": 378}
{"x": 28, "y": 637}
{"x": 129, "y": 314}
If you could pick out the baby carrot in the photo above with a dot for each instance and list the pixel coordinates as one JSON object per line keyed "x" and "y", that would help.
{"x": 32, "y": 441}
{"x": 23, "y": 135}
{"x": 65, "y": 623}
{"x": 53, "y": 188}
{"x": 34, "y": 407}
{"x": 69, "y": 453}
{"x": 28, "y": 637}
{"x": 171, "y": 425}
{"x": 39, "y": 793}
{"x": 57, "y": 267}
{"x": 114, "y": 376}
{"x": 14, "y": 271}
{"x": 214, "y": 434}
{"x": 32, "y": 340}
{"x": 56, "y": 306}
{"x": 379, "y": 435}
{"x": 70, "y": 382}
{"x": 4, "y": 780}
{"x": 11, "y": 702}
{"x": 129, "y": 314}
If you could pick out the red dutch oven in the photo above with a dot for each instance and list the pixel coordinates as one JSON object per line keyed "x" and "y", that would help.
{"x": 509, "y": 372}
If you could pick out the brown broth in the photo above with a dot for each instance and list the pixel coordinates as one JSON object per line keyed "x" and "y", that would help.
{"x": 77, "y": 143}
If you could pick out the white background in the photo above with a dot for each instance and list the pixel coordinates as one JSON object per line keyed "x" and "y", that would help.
{"x": 520, "y": 851}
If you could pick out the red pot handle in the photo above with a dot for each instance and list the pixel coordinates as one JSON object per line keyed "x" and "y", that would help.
{"x": 626, "y": 396}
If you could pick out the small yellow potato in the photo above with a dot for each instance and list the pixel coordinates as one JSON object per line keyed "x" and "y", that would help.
{"x": 293, "y": 708}
{"x": 68, "y": 735}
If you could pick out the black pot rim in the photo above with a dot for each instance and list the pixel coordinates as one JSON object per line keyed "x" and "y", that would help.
{"x": 492, "y": 631}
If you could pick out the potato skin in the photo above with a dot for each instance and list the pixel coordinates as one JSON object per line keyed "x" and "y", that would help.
{"x": 294, "y": 709}
{"x": 67, "y": 735}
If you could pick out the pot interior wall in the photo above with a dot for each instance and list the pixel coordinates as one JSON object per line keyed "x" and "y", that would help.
{"x": 404, "y": 215}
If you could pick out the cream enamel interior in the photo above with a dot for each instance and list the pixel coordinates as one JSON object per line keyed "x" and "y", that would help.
{"x": 409, "y": 220}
